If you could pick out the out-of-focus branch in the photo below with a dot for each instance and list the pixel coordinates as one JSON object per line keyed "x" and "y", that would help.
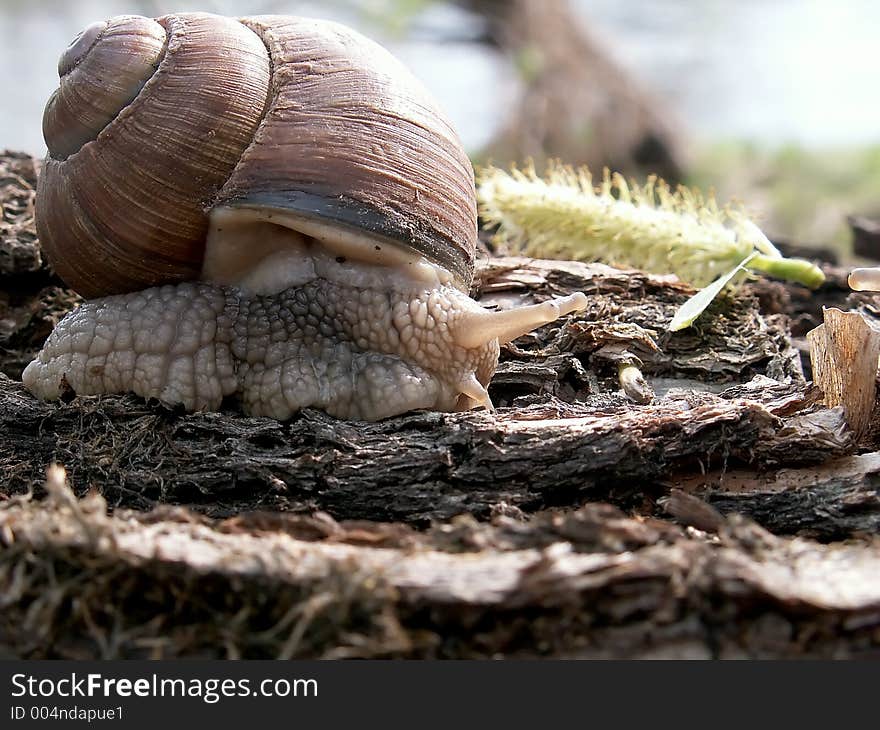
{"x": 577, "y": 103}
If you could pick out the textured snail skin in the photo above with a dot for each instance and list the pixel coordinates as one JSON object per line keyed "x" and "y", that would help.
{"x": 195, "y": 344}
{"x": 361, "y": 353}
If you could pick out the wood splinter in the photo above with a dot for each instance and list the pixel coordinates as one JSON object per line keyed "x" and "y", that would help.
{"x": 844, "y": 352}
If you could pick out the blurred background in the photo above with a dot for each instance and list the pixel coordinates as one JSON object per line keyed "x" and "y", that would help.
{"x": 771, "y": 102}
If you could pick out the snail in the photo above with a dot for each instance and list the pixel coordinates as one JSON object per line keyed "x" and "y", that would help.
{"x": 268, "y": 208}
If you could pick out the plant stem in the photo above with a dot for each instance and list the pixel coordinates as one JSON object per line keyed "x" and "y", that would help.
{"x": 798, "y": 270}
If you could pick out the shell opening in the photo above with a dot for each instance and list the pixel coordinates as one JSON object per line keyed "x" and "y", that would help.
{"x": 268, "y": 250}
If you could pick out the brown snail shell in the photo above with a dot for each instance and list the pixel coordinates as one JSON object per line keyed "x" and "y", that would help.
{"x": 157, "y": 122}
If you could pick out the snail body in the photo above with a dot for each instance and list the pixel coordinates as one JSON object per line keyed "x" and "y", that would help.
{"x": 271, "y": 208}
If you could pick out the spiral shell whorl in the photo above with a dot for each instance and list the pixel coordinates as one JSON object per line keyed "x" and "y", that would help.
{"x": 79, "y": 47}
{"x": 127, "y": 210}
{"x": 101, "y": 72}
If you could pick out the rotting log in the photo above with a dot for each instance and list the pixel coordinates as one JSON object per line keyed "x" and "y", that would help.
{"x": 32, "y": 300}
{"x": 19, "y": 248}
{"x": 76, "y": 582}
{"x": 415, "y": 468}
{"x": 866, "y": 236}
{"x": 835, "y": 500}
{"x": 563, "y": 432}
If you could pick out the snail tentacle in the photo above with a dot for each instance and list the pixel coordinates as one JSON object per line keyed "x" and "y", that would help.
{"x": 481, "y": 325}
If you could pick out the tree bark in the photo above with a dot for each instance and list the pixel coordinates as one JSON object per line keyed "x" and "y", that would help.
{"x": 76, "y": 582}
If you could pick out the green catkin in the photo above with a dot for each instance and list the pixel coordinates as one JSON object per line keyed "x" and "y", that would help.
{"x": 650, "y": 227}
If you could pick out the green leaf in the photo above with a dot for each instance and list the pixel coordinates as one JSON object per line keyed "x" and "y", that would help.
{"x": 696, "y": 305}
